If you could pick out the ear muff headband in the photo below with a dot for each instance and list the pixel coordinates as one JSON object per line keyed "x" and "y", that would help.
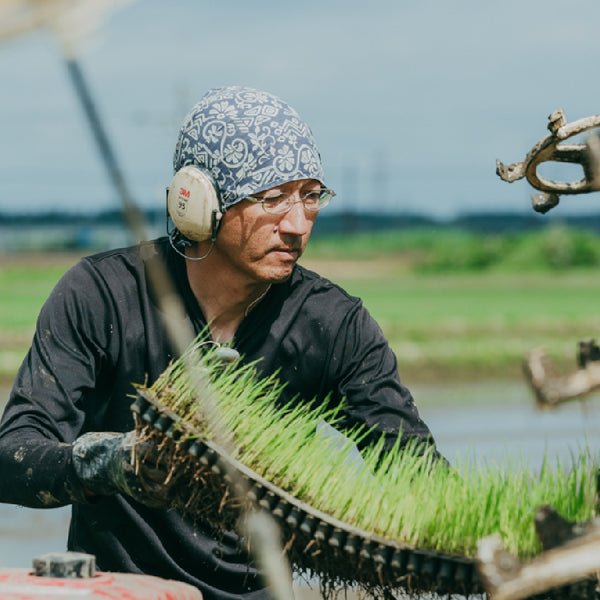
{"x": 193, "y": 204}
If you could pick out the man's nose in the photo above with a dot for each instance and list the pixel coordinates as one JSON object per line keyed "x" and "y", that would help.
{"x": 295, "y": 221}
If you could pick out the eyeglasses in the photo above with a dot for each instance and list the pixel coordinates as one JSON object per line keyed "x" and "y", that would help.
{"x": 280, "y": 203}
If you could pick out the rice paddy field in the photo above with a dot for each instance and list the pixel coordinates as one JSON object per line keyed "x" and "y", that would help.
{"x": 454, "y": 307}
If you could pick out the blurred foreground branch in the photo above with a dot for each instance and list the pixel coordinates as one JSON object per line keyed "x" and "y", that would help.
{"x": 258, "y": 525}
{"x": 72, "y": 21}
{"x": 572, "y": 554}
{"x": 551, "y": 389}
{"x": 508, "y": 579}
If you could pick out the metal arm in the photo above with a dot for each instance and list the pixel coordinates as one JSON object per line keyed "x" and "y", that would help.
{"x": 550, "y": 389}
{"x": 553, "y": 148}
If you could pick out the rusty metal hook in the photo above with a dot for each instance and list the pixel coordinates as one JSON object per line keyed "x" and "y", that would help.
{"x": 553, "y": 148}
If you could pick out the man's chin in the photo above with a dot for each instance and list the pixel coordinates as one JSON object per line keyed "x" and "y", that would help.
{"x": 280, "y": 275}
{"x": 281, "y": 278}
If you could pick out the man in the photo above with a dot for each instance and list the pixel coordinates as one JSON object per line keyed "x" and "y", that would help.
{"x": 247, "y": 189}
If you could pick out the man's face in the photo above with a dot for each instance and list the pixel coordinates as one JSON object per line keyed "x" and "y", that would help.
{"x": 262, "y": 246}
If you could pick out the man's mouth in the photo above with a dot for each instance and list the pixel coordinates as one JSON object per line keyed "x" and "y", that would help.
{"x": 291, "y": 253}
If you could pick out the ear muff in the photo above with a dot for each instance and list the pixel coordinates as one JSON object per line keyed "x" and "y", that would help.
{"x": 193, "y": 204}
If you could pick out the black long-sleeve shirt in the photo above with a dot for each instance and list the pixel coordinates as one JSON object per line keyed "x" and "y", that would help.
{"x": 100, "y": 331}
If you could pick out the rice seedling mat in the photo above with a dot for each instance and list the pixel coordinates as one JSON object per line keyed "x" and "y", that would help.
{"x": 317, "y": 544}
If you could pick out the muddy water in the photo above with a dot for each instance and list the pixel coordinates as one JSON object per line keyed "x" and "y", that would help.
{"x": 25, "y": 532}
{"x": 490, "y": 421}
{"x": 497, "y": 421}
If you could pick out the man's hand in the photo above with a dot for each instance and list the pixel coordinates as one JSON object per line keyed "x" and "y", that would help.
{"x": 109, "y": 463}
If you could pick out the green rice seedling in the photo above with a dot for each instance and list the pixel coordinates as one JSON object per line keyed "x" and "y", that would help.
{"x": 404, "y": 495}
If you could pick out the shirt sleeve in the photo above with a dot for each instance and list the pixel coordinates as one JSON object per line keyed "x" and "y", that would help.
{"x": 367, "y": 377}
{"x": 45, "y": 411}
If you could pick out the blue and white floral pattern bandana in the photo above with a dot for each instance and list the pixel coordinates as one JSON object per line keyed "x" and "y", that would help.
{"x": 249, "y": 141}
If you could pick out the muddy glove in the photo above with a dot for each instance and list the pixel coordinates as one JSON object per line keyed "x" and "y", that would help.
{"x": 110, "y": 463}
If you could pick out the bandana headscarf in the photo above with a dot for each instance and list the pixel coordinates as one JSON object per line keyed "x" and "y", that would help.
{"x": 249, "y": 141}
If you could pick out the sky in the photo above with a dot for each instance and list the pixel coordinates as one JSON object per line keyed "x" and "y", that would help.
{"x": 411, "y": 102}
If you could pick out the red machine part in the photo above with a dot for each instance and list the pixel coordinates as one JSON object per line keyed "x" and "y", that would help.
{"x": 21, "y": 584}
